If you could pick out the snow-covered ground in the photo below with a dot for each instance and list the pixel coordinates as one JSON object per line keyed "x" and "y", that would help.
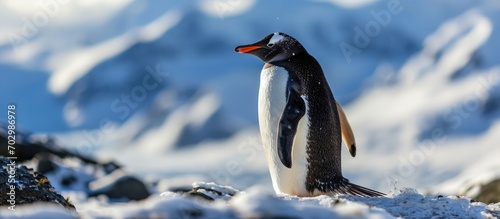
{"x": 158, "y": 87}
{"x": 256, "y": 203}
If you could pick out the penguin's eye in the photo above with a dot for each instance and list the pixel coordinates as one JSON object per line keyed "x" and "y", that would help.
{"x": 270, "y": 45}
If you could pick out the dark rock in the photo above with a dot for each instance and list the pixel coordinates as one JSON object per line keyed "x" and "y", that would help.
{"x": 211, "y": 191}
{"x": 30, "y": 187}
{"x": 199, "y": 195}
{"x": 111, "y": 166}
{"x": 489, "y": 193}
{"x": 45, "y": 165}
{"x": 68, "y": 180}
{"x": 180, "y": 190}
{"x": 29, "y": 146}
{"x": 119, "y": 185}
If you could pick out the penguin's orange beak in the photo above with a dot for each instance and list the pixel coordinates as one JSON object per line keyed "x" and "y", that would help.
{"x": 246, "y": 49}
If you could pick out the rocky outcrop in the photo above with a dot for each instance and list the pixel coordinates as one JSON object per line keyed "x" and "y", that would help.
{"x": 490, "y": 192}
{"x": 119, "y": 186}
{"x": 67, "y": 170}
{"x": 20, "y": 185}
{"x": 211, "y": 191}
{"x": 30, "y": 146}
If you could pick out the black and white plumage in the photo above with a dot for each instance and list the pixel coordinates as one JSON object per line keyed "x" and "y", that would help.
{"x": 301, "y": 124}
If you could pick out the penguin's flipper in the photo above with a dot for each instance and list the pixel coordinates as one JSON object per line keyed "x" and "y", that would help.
{"x": 347, "y": 134}
{"x": 295, "y": 108}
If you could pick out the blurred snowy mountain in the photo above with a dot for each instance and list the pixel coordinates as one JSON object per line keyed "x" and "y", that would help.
{"x": 419, "y": 80}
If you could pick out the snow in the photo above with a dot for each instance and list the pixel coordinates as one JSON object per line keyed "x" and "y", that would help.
{"x": 42, "y": 211}
{"x": 63, "y": 19}
{"x": 84, "y": 60}
{"x": 225, "y": 8}
{"x": 257, "y": 203}
{"x": 412, "y": 204}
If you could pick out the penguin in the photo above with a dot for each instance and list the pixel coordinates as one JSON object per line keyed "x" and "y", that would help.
{"x": 301, "y": 125}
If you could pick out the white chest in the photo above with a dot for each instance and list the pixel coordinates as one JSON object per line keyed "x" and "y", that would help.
{"x": 272, "y": 101}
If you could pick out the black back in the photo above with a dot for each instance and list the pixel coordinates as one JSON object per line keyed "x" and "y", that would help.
{"x": 324, "y": 137}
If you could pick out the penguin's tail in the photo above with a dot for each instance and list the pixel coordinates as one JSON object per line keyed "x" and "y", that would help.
{"x": 347, "y": 188}
{"x": 357, "y": 190}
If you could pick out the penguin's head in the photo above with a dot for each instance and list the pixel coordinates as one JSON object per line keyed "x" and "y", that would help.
{"x": 273, "y": 48}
